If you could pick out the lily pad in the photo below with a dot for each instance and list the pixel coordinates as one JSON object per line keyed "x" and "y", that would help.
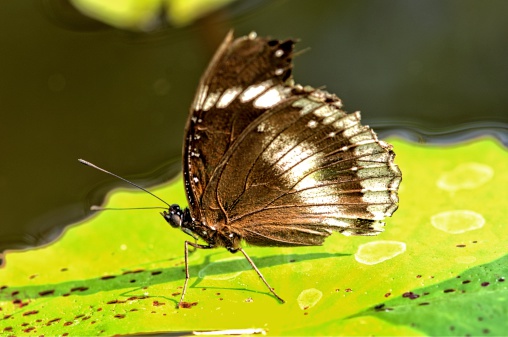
{"x": 121, "y": 272}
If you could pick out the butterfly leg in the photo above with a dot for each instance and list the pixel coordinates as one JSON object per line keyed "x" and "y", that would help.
{"x": 186, "y": 254}
{"x": 260, "y": 275}
{"x": 193, "y": 248}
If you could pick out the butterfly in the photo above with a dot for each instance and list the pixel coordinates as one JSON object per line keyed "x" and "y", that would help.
{"x": 268, "y": 162}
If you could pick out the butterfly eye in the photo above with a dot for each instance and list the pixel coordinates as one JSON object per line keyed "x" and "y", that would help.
{"x": 174, "y": 216}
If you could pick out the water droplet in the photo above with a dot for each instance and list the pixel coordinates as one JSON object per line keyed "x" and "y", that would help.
{"x": 465, "y": 176}
{"x": 378, "y": 251}
{"x": 309, "y": 298}
{"x": 222, "y": 269}
{"x": 465, "y": 259}
{"x": 456, "y": 222}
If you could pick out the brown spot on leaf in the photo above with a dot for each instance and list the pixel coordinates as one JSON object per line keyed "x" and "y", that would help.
{"x": 32, "y": 312}
{"x": 79, "y": 289}
{"x": 47, "y": 292}
{"x": 54, "y": 320}
{"x": 188, "y": 305}
{"x": 108, "y": 277}
{"x": 411, "y": 295}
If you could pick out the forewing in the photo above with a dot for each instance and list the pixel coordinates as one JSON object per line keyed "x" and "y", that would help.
{"x": 241, "y": 70}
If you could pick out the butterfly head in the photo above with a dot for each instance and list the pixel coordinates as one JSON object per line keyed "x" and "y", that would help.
{"x": 175, "y": 216}
{"x": 181, "y": 218}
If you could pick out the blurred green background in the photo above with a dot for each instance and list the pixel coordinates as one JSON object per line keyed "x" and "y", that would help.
{"x": 112, "y": 83}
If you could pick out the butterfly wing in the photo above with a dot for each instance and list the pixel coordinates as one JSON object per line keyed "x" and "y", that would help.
{"x": 221, "y": 109}
{"x": 302, "y": 170}
{"x": 282, "y": 164}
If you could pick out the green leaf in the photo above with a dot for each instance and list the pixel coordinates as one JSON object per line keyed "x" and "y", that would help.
{"x": 121, "y": 272}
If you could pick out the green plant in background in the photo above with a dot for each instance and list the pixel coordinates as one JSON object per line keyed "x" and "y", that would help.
{"x": 143, "y": 14}
{"x": 438, "y": 269}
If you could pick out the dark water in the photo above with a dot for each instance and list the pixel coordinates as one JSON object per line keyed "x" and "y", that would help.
{"x": 71, "y": 87}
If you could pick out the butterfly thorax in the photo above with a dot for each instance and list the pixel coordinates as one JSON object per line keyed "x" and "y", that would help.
{"x": 214, "y": 236}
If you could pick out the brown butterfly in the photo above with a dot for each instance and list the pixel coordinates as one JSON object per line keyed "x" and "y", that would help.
{"x": 272, "y": 163}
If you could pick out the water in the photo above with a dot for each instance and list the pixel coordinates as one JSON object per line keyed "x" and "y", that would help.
{"x": 75, "y": 88}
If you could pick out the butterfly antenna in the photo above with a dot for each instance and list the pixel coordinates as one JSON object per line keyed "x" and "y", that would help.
{"x": 87, "y": 163}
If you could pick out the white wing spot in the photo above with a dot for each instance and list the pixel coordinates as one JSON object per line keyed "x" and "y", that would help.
{"x": 279, "y": 53}
{"x": 271, "y": 97}
{"x": 210, "y": 101}
{"x": 306, "y": 105}
{"x": 254, "y": 90}
{"x": 324, "y": 111}
{"x": 312, "y": 124}
{"x": 228, "y": 96}
{"x": 279, "y": 71}
{"x": 200, "y": 98}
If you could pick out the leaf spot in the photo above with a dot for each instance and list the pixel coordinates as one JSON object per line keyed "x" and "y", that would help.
{"x": 309, "y": 298}
{"x": 378, "y": 251}
{"x": 465, "y": 176}
{"x": 458, "y": 221}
